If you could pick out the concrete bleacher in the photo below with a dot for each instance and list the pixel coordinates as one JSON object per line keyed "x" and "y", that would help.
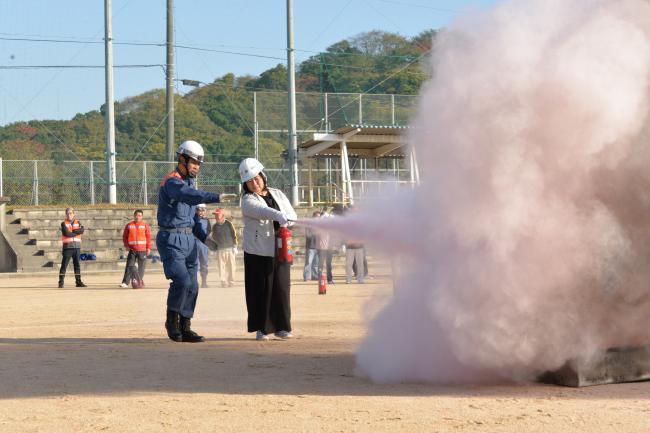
{"x": 34, "y": 235}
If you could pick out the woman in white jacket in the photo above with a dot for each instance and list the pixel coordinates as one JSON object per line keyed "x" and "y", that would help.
{"x": 267, "y": 282}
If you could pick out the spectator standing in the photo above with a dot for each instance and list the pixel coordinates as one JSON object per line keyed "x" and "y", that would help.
{"x": 203, "y": 252}
{"x": 267, "y": 281}
{"x": 324, "y": 249}
{"x": 71, "y": 231}
{"x": 223, "y": 239}
{"x": 136, "y": 238}
{"x": 310, "y": 271}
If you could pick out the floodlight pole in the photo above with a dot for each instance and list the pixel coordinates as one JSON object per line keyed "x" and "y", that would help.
{"x": 293, "y": 139}
{"x": 169, "y": 73}
{"x": 110, "y": 109}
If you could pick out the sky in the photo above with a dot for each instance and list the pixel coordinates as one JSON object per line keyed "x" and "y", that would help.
{"x": 242, "y": 37}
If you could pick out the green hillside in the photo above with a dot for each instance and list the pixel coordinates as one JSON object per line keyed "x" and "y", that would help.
{"x": 220, "y": 114}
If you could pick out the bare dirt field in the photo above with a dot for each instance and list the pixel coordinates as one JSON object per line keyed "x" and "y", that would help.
{"x": 97, "y": 359}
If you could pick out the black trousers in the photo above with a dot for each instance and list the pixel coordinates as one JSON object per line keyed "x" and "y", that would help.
{"x": 131, "y": 258}
{"x": 70, "y": 253}
{"x": 268, "y": 287}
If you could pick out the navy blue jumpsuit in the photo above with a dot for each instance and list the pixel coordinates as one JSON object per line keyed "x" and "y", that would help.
{"x": 176, "y": 239}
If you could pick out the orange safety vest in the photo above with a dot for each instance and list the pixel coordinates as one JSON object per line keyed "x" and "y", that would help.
{"x": 71, "y": 226}
{"x": 170, "y": 175}
{"x": 137, "y": 236}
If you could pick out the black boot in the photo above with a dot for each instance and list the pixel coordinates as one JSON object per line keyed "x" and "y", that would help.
{"x": 189, "y": 336}
{"x": 60, "y": 282}
{"x": 173, "y": 326}
{"x": 80, "y": 283}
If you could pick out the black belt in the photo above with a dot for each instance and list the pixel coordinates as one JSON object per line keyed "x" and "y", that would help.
{"x": 187, "y": 230}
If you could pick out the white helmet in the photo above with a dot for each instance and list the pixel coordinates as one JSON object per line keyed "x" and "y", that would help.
{"x": 192, "y": 149}
{"x": 201, "y": 206}
{"x": 249, "y": 168}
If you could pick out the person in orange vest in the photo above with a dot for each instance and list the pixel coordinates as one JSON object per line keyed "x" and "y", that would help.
{"x": 71, "y": 231}
{"x": 137, "y": 239}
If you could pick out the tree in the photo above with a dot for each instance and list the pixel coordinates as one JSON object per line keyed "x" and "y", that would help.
{"x": 272, "y": 79}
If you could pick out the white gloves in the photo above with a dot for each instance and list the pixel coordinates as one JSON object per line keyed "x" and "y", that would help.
{"x": 234, "y": 250}
{"x": 227, "y": 197}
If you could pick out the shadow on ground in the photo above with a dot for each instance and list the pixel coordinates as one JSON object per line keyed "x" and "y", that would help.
{"x": 38, "y": 367}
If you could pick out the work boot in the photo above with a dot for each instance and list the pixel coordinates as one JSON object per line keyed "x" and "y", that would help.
{"x": 80, "y": 283}
{"x": 173, "y": 326}
{"x": 60, "y": 282}
{"x": 189, "y": 336}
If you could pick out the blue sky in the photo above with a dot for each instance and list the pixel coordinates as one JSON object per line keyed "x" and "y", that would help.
{"x": 254, "y": 28}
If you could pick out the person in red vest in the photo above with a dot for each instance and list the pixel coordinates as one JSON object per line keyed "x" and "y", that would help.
{"x": 71, "y": 231}
{"x": 137, "y": 239}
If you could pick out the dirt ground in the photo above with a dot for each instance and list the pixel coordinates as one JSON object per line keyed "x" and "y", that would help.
{"x": 97, "y": 359}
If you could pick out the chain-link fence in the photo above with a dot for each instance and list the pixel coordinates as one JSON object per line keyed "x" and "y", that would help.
{"x": 322, "y": 112}
{"x": 329, "y": 111}
{"x": 84, "y": 182}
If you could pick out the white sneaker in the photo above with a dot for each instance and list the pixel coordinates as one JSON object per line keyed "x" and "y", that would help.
{"x": 124, "y": 285}
{"x": 260, "y": 336}
{"x": 284, "y": 334}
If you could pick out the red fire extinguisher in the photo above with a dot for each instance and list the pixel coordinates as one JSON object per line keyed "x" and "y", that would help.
{"x": 285, "y": 248}
{"x": 322, "y": 284}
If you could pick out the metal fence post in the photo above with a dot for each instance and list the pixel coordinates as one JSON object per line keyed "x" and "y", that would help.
{"x": 327, "y": 115}
{"x": 35, "y": 183}
{"x": 360, "y": 109}
{"x": 392, "y": 109}
{"x": 144, "y": 183}
{"x": 92, "y": 183}
{"x": 256, "y": 138}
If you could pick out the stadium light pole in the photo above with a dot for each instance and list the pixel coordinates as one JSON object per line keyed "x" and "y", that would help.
{"x": 169, "y": 73}
{"x": 293, "y": 138}
{"x": 109, "y": 118}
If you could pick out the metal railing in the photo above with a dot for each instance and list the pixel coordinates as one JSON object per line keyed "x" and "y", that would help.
{"x": 46, "y": 182}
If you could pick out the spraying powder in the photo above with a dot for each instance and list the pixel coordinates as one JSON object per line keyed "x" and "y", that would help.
{"x": 528, "y": 241}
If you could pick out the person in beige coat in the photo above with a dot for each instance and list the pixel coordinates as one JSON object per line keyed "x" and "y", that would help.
{"x": 223, "y": 240}
{"x": 267, "y": 281}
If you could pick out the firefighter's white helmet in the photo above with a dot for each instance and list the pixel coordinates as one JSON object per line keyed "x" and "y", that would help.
{"x": 249, "y": 168}
{"x": 192, "y": 149}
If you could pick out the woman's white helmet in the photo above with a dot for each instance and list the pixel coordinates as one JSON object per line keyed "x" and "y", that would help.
{"x": 192, "y": 149}
{"x": 249, "y": 168}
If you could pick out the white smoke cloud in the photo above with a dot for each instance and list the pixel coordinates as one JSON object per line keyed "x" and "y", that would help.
{"x": 528, "y": 241}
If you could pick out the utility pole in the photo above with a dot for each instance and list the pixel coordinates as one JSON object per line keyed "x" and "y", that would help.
{"x": 293, "y": 139}
{"x": 110, "y": 109}
{"x": 169, "y": 148}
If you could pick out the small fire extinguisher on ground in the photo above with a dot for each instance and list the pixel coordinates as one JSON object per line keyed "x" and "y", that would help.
{"x": 284, "y": 246}
{"x": 322, "y": 284}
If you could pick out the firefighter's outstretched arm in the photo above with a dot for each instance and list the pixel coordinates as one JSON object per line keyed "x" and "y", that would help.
{"x": 182, "y": 192}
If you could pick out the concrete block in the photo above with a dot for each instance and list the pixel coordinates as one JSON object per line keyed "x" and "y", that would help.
{"x": 617, "y": 365}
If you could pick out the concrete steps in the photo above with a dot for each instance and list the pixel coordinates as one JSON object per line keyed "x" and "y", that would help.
{"x": 34, "y": 234}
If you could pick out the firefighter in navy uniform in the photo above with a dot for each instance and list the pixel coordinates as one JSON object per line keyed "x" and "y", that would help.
{"x": 177, "y": 237}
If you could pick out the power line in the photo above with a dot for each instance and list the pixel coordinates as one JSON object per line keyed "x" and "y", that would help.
{"x": 141, "y": 44}
{"x": 187, "y": 47}
{"x": 190, "y": 47}
{"x": 76, "y": 66}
